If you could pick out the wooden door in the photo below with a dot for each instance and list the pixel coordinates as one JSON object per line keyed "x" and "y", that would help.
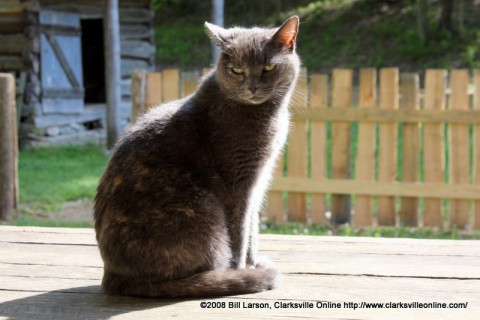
{"x": 61, "y": 62}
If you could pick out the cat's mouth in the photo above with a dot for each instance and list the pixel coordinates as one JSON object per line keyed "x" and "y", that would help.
{"x": 255, "y": 98}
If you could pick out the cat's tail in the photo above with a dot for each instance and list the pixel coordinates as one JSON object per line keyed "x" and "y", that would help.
{"x": 210, "y": 283}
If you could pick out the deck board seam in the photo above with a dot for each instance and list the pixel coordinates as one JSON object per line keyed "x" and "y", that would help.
{"x": 377, "y": 276}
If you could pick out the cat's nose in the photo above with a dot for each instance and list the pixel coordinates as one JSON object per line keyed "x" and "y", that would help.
{"x": 253, "y": 89}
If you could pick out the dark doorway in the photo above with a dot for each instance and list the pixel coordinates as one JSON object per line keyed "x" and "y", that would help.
{"x": 93, "y": 60}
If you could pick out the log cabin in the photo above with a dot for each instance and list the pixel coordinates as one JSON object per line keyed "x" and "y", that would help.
{"x": 55, "y": 49}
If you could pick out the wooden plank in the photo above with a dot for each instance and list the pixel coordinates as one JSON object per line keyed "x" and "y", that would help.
{"x": 365, "y": 162}
{"x": 403, "y": 189}
{"x": 476, "y": 159}
{"x": 409, "y": 93}
{"x": 8, "y": 147}
{"x": 318, "y": 140}
{"x": 297, "y": 152}
{"x": 275, "y": 210}
{"x": 15, "y": 44}
{"x": 13, "y": 63}
{"x": 459, "y": 147}
{"x": 387, "y": 159}
{"x": 154, "y": 93}
{"x": 45, "y": 281}
{"x": 129, "y": 65}
{"x": 433, "y": 144}
{"x": 171, "y": 84}
{"x": 139, "y": 79}
{"x": 135, "y": 32}
{"x": 341, "y": 99}
{"x": 137, "y": 49}
{"x": 87, "y": 301}
{"x": 190, "y": 81}
{"x": 386, "y": 115}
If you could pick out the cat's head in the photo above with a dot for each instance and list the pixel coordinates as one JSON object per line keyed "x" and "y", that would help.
{"x": 257, "y": 64}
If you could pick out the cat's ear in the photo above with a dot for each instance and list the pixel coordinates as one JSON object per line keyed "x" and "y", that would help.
{"x": 287, "y": 33}
{"x": 215, "y": 33}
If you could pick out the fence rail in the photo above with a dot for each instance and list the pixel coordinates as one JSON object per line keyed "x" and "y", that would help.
{"x": 385, "y": 153}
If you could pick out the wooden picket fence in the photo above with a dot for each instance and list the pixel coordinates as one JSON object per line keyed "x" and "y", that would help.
{"x": 383, "y": 152}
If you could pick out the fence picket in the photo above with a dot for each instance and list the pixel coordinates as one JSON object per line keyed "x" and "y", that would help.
{"x": 409, "y": 99}
{"x": 387, "y": 159}
{"x": 297, "y": 152}
{"x": 171, "y": 84}
{"x": 190, "y": 81}
{"x": 365, "y": 162}
{"x": 154, "y": 94}
{"x": 433, "y": 144}
{"x": 459, "y": 146}
{"x": 476, "y": 159}
{"x": 319, "y": 101}
{"x": 342, "y": 99}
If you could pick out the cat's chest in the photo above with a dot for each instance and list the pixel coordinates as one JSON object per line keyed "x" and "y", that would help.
{"x": 241, "y": 150}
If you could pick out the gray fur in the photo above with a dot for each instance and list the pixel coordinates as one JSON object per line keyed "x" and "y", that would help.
{"x": 176, "y": 211}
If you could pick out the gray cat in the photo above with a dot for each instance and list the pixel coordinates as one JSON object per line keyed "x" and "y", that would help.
{"x": 177, "y": 209}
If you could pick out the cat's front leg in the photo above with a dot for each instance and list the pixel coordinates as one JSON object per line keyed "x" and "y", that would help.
{"x": 252, "y": 250}
{"x": 239, "y": 231}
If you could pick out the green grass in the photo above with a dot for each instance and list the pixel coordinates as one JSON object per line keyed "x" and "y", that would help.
{"x": 384, "y": 232}
{"x": 49, "y": 177}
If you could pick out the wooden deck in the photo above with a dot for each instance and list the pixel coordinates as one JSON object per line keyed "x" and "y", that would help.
{"x": 49, "y": 273}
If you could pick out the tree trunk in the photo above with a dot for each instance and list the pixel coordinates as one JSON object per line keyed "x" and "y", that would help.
{"x": 422, "y": 25}
{"x": 446, "y": 18}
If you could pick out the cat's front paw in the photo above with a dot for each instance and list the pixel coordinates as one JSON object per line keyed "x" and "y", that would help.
{"x": 238, "y": 265}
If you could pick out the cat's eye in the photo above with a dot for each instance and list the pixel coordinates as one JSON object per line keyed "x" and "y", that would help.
{"x": 269, "y": 67}
{"x": 237, "y": 70}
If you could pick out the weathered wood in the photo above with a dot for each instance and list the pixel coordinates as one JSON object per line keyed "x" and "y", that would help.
{"x": 139, "y": 78}
{"x": 171, "y": 85}
{"x": 42, "y": 280}
{"x": 409, "y": 93}
{"x": 387, "y": 158}
{"x": 430, "y": 116}
{"x": 190, "y": 81}
{"x": 137, "y": 49}
{"x": 8, "y": 147}
{"x": 127, "y": 14}
{"x": 12, "y": 7}
{"x": 135, "y": 32}
{"x": 297, "y": 151}
{"x": 129, "y": 65}
{"x": 459, "y": 147}
{"x": 341, "y": 99}
{"x": 476, "y": 158}
{"x": 16, "y": 44}
{"x": 12, "y": 24}
{"x": 90, "y": 113}
{"x": 13, "y": 63}
{"x": 154, "y": 94}
{"x": 403, "y": 189}
{"x": 318, "y": 141}
{"x": 433, "y": 144}
{"x": 112, "y": 71}
{"x": 365, "y": 163}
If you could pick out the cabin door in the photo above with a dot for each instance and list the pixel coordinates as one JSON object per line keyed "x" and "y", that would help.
{"x": 61, "y": 62}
